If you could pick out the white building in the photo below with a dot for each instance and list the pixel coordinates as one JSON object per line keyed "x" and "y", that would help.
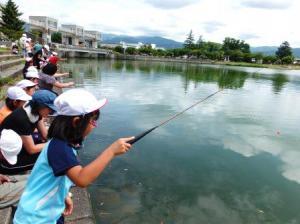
{"x": 45, "y": 25}
{"x": 92, "y": 38}
{"x": 72, "y": 34}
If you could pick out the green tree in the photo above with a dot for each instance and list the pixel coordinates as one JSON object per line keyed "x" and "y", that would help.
{"x": 56, "y": 37}
{"x": 189, "y": 42}
{"x": 235, "y": 48}
{"x": 200, "y": 42}
{"x": 231, "y": 44}
{"x": 269, "y": 59}
{"x": 131, "y": 50}
{"x": 119, "y": 49}
{"x": 287, "y": 60}
{"x": 146, "y": 49}
{"x": 284, "y": 50}
{"x": 11, "y": 25}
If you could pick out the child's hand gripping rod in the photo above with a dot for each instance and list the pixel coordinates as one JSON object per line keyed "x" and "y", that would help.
{"x": 138, "y": 137}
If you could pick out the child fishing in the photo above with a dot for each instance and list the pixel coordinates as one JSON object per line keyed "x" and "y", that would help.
{"x": 45, "y": 197}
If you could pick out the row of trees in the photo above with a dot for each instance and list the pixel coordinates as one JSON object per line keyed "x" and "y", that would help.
{"x": 235, "y": 50}
{"x": 231, "y": 49}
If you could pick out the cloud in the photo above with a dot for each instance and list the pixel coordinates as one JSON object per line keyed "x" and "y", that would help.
{"x": 175, "y": 18}
{"x": 267, "y": 4}
{"x": 150, "y": 32}
{"x": 212, "y": 26}
{"x": 170, "y": 4}
{"x": 247, "y": 36}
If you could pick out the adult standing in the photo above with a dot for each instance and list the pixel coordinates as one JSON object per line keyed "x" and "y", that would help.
{"x": 23, "y": 43}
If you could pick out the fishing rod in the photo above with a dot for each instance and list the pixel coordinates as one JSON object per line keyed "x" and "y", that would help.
{"x": 143, "y": 134}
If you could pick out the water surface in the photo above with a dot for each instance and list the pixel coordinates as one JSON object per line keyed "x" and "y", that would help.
{"x": 233, "y": 159}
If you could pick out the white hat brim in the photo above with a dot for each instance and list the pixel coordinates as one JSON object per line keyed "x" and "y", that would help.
{"x": 10, "y": 159}
{"x": 25, "y": 98}
{"x": 100, "y": 104}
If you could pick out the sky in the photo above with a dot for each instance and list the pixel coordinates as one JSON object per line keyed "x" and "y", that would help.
{"x": 258, "y": 22}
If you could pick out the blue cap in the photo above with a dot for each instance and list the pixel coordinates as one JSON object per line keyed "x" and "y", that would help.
{"x": 46, "y": 98}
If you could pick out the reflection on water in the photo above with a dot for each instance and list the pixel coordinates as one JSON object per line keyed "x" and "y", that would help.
{"x": 233, "y": 159}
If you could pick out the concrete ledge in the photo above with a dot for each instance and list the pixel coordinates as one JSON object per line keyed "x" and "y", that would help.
{"x": 13, "y": 71}
{"x": 6, "y": 57}
{"x": 5, "y": 52}
{"x": 5, "y": 215}
{"x": 6, "y": 64}
{"x": 82, "y": 208}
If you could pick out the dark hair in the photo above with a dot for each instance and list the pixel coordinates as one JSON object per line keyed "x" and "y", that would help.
{"x": 10, "y": 103}
{"x": 35, "y": 107}
{"x": 63, "y": 129}
{"x": 49, "y": 69}
{"x": 29, "y": 87}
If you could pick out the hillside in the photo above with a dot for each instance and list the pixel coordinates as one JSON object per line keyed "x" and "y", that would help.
{"x": 270, "y": 50}
{"x": 159, "y": 41}
{"x": 168, "y": 43}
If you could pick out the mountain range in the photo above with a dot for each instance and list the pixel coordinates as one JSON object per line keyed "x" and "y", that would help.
{"x": 270, "y": 50}
{"x": 159, "y": 41}
{"x": 168, "y": 43}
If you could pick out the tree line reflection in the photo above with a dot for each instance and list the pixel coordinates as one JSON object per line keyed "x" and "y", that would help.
{"x": 224, "y": 77}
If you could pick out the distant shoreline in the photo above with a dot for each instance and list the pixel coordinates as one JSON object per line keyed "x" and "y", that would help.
{"x": 206, "y": 61}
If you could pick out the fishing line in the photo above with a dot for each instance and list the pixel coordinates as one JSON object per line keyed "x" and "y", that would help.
{"x": 143, "y": 134}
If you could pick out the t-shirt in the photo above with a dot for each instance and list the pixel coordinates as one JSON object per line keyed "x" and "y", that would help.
{"x": 48, "y": 186}
{"x": 19, "y": 122}
{"x": 4, "y": 112}
{"x": 46, "y": 81}
{"x": 37, "y": 58}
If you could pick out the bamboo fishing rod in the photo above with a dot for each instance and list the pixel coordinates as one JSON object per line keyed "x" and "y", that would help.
{"x": 143, "y": 134}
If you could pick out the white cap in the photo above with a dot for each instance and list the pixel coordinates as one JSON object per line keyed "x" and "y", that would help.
{"x": 32, "y": 72}
{"x": 46, "y": 46}
{"x": 77, "y": 102}
{"x": 54, "y": 53}
{"x": 17, "y": 93}
{"x": 10, "y": 145}
{"x": 24, "y": 35}
{"x": 32, "y": 68}
{"x": 32, "y": 75}
{"x": 25, "y": 83}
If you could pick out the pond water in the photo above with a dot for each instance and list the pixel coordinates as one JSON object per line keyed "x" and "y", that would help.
{"x": 232, "y": 159}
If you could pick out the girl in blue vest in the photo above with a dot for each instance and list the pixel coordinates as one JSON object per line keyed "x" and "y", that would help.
{"x": 45, "y": 197}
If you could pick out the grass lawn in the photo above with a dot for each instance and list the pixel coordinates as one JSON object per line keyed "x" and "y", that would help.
{"x": 3, "y": 49}
{"x": 5, "y": 83}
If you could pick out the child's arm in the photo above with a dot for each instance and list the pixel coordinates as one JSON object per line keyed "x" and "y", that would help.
{"x": 42, "y": 129}
{"x": 57, "y": 75}
{"x": 83, "y": 176}
{"x": 29, "y": 145}
{"x": 69, "y": 206}
{"x": 63, "y": 85}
